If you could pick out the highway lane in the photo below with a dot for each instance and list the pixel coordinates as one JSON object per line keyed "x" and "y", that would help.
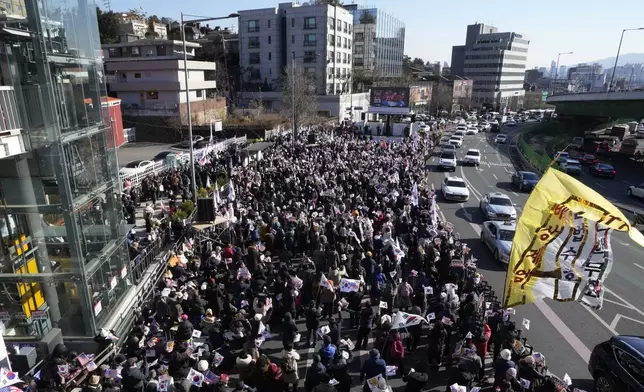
{"x": 564, "y": 332}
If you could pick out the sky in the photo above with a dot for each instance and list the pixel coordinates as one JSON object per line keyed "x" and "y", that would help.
{"x": 589, "y": 28}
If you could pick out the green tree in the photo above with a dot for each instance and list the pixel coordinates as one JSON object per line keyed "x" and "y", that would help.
{"x": 153, "y": 19}
{"x": 108, "y": 26}
{"x": 167, "y": 21}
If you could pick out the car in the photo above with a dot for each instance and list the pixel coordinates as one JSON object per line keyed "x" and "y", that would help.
{"x": 562, "y": 156}
{"x": 461, "y": 127}
{"x": 570, "y": 166}
{"x": 448, "y": 148}
{"x": 495, "y": 127}
{"x": 472, "y": 157}
{"x": 497, "y": 236}
{"x": 454, "y": 188}
{"x": 525, "y": 180}
{"x": 640, "y": 131}
{"x": 618, "y": 364}
{"x": 447, "y": 161}
{"x": 459, "y": 133}
{"x": 498, "y": 206}
{"x": 136, "y": 167}
{"x": 456, "y": 141}
{"x": 163, "y": 154}
{"x": 577, "y": 142}
{"x": 444, "y": 140}
{"x": 636, "y": 190}
{"x": 501, "y": 139}
{"x": 511, "y": 123}
{"x": 588, "y": 159}
{"x": 472, "y": 131}
{"x": 603, "y": 170}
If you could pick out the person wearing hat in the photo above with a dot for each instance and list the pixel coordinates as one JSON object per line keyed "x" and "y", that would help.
{"x": 527, "y": 369}
{"x": 372, "y": 367}
{"x": 93, "y": 384}
{"x": 502, "y": 365}
{"x": 184, "y": 330}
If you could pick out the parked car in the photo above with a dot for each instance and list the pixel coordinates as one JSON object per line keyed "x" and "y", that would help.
{"x": 603, "y": 170}
{"x": 136, "y": 167}
{"x": 617, "y": 365}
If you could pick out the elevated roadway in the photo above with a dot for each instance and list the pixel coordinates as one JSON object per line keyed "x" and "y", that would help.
{"x": 619, "y": 104}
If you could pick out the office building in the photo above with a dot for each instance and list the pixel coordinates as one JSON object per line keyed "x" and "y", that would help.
{"x": 148, "y": 76}
{"x": 315, "y": 38}
{"x": 531, "y": 76}
{"x": 495, "y": 62}
{"x": 553, "y": 69}
{"x": 587, "y": 77}
{"x": 65, "y": 263}
{"x": 379, "y": 42}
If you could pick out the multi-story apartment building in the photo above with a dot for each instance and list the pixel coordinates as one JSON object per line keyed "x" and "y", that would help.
{"x": 148, "y": 75}
{"x": 64, "y": 266}
{"x": 316, "y": 38}
{"x": 587, "y": 77}
{"x": 495, "y": 62}
{"x": 379, "y": 42}
{"x": 142, "y": 29}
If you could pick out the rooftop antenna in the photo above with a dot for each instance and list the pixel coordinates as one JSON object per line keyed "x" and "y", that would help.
{"x": 107, "y": 4}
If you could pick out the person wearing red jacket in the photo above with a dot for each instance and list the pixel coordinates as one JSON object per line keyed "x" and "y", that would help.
{"x": 481, "y": 342}
{"x": 397, "y": 353}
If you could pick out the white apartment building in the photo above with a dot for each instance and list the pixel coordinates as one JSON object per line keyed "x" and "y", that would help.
{"x": 496, "y": 63}
{"x": 140, "y": 28}
{"x": 148, "y": 76}
{"x": 317, "y": 37}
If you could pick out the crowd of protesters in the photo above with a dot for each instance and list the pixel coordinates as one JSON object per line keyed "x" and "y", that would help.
{"x": 341, "y": 236}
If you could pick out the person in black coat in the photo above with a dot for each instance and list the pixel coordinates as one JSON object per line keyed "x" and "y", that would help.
{"x": 336, "y": 331}
{"x": 313, "y": 316}
{"x": 366, "y": 324}
{"x": 184, "y": 330}
{"x": 416, "y": 379}
{"x": 315, "y": 374}
{"x": 288, "y": 301}
{"x": 289, "y": 329}
{"x": 133, "y": 378}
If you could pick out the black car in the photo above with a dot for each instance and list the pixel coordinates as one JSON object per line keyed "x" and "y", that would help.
{"x": 588, "y": 159}
{"x": 618, "y": 364}
{"x": 525, "y": 180}
{"x": 603, "y": 170}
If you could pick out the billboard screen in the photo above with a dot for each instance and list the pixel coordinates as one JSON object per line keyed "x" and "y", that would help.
{"x": 420, "y": 95}
{"x": 389, "y": 100}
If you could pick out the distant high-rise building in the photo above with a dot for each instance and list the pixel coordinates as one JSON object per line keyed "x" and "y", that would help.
{"x": 553, "y": 68}
{"x": 562, "y": 73}
{"x": 379, "y": 41}
{"x": 495, "y": 62}
{"x": 445, "y": 65}
{"x": 587, "y": 77}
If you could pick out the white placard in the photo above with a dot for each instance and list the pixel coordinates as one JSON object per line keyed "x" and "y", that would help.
{"x": 431, "y": 316}
{"x": 391, "y": 371}
{"x": 526, "y": 324}
{"x": 383, "y": 305}
{"x": 429, "y": 290}
{"x": 196, "y": 334}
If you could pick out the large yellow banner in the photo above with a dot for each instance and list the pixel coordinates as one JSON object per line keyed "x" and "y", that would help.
{"x": 561, "y": 248}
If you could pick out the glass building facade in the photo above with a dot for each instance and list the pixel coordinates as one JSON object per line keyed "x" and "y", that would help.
{"x": 64, "y": 262}
{"x": 379, "y": 41}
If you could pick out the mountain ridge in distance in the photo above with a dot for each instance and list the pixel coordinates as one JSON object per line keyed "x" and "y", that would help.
{"x": 609, "y": 62}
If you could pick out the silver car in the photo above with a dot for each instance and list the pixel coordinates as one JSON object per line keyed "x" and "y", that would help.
{"x": 498, "y": 206}
{"x": 497, "y": 236}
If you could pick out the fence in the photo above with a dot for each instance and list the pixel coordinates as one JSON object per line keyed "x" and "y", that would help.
{"x": 539, "y": 161}
{"x": 159, "y": 167}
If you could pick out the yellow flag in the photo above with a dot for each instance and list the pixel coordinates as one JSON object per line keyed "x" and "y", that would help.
{"x": 561, "y": 249}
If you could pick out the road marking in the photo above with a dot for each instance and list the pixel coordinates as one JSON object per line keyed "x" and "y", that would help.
{"x": 476, "y": 228}
{"x": 468, "y": 216}
{"x": 638, "y": 266}
{"x": 623, "y": 300}
{"x": 515, "y": 194}
{"x": 599, "y": 185}
{"x": 617, "y": 303}
{"x": 627, "y": 183}
{"x": 563, "y": 329}
{"x": 495, "y": 177}
{"x": 619, "y": 317}
{"x": 601, "y": 320}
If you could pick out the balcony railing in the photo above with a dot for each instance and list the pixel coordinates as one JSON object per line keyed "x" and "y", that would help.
{"x": 157, "y": 109}
{"x": 10, "y": 120}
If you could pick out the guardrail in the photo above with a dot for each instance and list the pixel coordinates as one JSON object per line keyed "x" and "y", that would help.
{"x": 162, "y": 166}
{"x": 538, "y": 161}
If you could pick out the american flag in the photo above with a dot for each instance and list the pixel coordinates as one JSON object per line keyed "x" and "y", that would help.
{"x": 10, "y": 388}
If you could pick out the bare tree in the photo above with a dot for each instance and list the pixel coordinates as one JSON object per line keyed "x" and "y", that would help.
{"x": 299, "y": 103}
{"x": 441, "y": 97}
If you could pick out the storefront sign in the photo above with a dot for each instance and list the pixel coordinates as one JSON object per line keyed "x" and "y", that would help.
{"x": 39, "y": 315}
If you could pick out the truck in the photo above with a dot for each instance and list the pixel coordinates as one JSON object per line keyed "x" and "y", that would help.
{"x": 502, "y": 119}
{"x": 620, "y": 131}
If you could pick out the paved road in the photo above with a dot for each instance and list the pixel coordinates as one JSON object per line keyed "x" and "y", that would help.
{"x": 564, "y": 332}
{"x": 133, "y": 151}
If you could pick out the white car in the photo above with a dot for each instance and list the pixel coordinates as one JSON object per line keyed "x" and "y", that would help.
{"x": 461, "y": 128}
{"x": 636, "y": 191}
{"x": 497, "y": 236}
{"x": 570, "y": 166}
{"x": 472, "y": 131}
{"x": 448, "y": 148}
{"x": 456, "y": 141}
{"x": 447, "y": 161}
{"x": 459, "y": 133}
{"x": 444, "y": 140}
{"x": 136, "y": 167}
{"x": 472, "y": 157}
{"x": 501, "y": 139}
{"x": 454, "y": 188}
{"x": 498, "y": 206}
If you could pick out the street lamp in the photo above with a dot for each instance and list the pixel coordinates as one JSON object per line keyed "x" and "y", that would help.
{"x": 619, "y": 48}
{"x": 554, "y": 83}
{"x": 185, "y": 71}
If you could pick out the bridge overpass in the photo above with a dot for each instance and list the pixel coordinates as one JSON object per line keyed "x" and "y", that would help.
{"x": 620, "y": 104}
